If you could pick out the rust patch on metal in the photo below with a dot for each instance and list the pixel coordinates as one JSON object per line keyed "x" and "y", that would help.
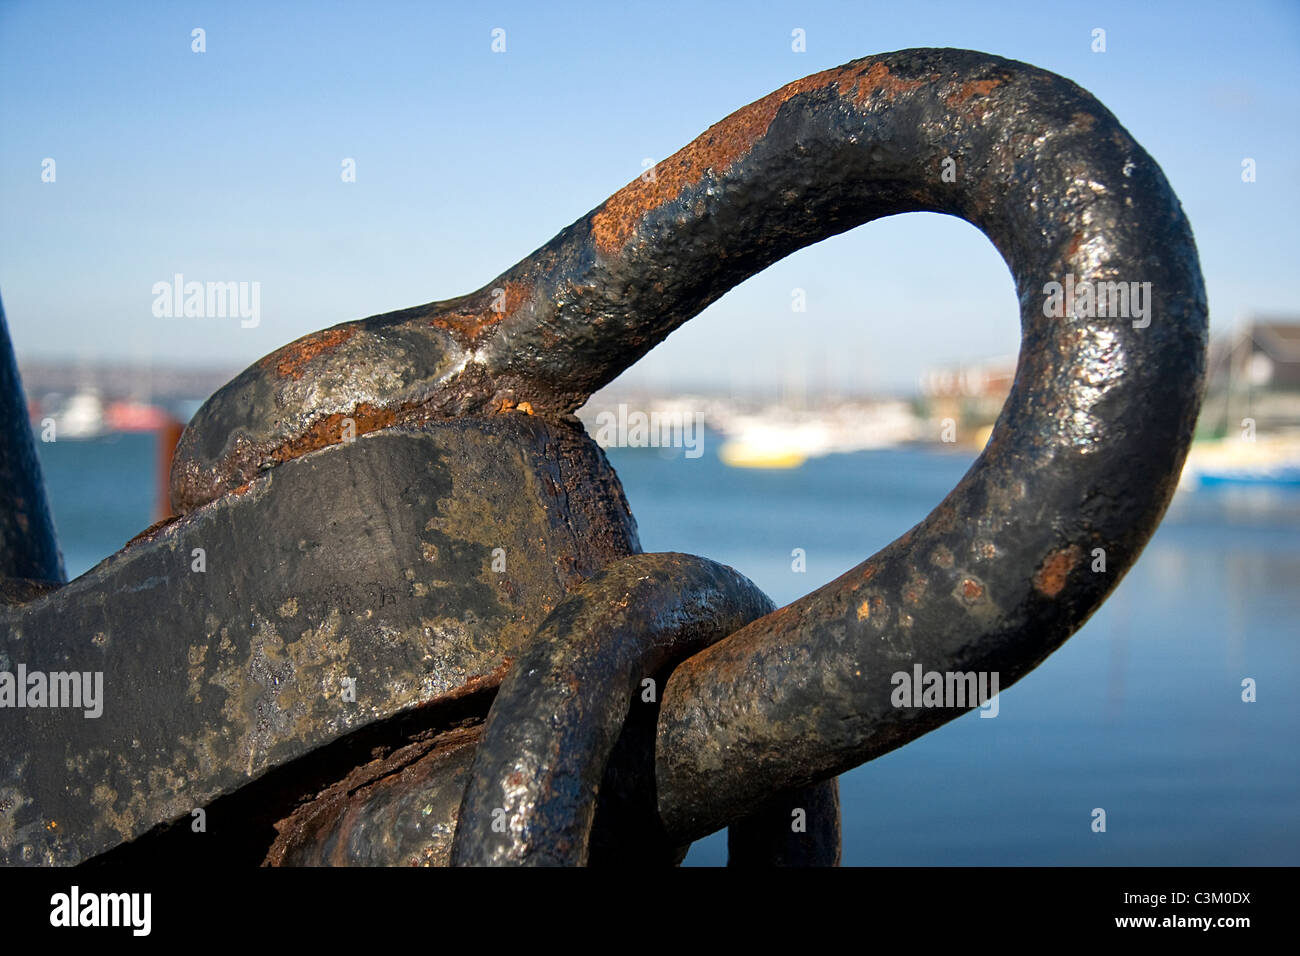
{"x": 471, "y": 325}
{"x": 877, "y": 79}
{"x": 290, "y": 361}
{"x": 726, "y": 142}
{"x": 914, "y": 590}
{"x": 329, "y": 430}
{"x": 153, "y": 529}
{"x": 475, "y": 684}
{"x": 973, "y": 88}
{"x": 1050, "y": 577}
{"x": 969, "y": 590}
{"x": 339, "y": 801}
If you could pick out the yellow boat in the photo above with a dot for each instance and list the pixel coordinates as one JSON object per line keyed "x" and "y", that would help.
{"x": 740, "y": 454}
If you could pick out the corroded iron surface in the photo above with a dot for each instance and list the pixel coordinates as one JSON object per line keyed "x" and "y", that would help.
{"x": 540, "y": 786}
{"x": 414, "y": 562}
{"x": 534, "y": 784}
{"x": 398, "y": 811}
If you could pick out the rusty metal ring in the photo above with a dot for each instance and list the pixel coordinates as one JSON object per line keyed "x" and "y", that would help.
{"x": 536, "y": 775}
{"x": 540, "y": 766}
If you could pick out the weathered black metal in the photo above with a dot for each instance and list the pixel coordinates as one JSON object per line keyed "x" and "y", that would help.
{"x": 1082, "y": 459}
{"x": 797, "y": 828}
{"x": 372, "y": 561}
{"x": 29, "y": 553}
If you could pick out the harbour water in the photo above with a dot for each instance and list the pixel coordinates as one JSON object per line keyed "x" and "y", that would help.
{"x": 1140, "y": 714}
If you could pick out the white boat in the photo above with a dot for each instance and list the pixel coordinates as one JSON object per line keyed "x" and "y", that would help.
{"x": 782, "y": 438}
{"x": 82, "y": 416}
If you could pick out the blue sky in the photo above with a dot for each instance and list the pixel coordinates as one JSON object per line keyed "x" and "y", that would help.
{"x": 226, "y": 165}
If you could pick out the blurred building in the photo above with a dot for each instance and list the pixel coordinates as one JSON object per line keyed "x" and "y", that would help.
{"x": 969, "y": 394}
{"x": 1254, "y": 373}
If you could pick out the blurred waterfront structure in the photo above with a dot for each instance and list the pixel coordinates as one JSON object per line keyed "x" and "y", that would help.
{"x": 1254, "y": 373}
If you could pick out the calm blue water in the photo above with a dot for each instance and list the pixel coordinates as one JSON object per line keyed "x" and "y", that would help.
{"x": 1139, "y": 713}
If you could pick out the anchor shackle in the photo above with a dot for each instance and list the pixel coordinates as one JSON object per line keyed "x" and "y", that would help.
{"x": 1082, "y": 461}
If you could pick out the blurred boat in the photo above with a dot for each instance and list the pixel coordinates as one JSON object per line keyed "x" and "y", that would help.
{"x": 1267, "y": 461}
{"x": 1275, "y": 478}
{"x": 786, "y": 438}
{"x": 81, "y": 416}
{"x": 135, "y": 417}
{"x": 748, "y": 454}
